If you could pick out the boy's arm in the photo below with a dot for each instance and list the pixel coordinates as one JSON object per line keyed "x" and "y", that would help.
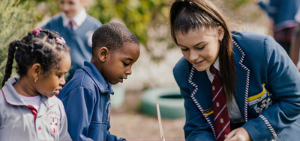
{"x": 64, "y": 134}
{"x": 79, "y": 105}
{"x": 111, "y": 137}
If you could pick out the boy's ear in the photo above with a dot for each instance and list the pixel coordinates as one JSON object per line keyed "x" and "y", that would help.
{"x": 36, "y": 70}
{"x": 102, "y": 54}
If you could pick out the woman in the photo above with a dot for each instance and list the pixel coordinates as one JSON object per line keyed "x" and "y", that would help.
{"x": 236, "y": 85}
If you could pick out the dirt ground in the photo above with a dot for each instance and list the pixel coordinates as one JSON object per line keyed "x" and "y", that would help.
{"x": 128, "y": 122}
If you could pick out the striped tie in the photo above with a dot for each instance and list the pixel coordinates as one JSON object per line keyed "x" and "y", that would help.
{"x": 73, "y": 25}
{"x": 221, "y": 116}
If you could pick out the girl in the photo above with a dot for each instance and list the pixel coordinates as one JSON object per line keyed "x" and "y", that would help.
{"x": 236, "y": 85}
{"x": 28, "y": 109}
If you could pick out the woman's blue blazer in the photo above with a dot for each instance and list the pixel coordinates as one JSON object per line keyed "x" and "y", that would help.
{"x": 267, "y": 91}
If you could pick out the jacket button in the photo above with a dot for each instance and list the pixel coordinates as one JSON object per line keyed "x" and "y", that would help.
{"x": 40, "y": 128}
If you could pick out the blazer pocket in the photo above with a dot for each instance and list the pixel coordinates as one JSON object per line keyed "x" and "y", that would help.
{"x": 258, "y": 103}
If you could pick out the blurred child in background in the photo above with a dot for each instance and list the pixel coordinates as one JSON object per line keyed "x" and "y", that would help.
{"x": 282, "y": 22}
{"x": 28, "y": 108}
{"x": 87, "y": 96}
{"x": 77, "y": 27}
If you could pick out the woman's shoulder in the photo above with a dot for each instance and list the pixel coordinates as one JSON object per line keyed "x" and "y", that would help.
{"x": 252, "y": 43}
{"x": 248, "y": 37}
{"x": 181, "y": 70}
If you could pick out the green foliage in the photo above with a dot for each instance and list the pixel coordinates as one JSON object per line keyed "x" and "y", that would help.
{"x": 15, "y": 21}
{"x": 235, "y": 4}
{"x": 138, "y": 15}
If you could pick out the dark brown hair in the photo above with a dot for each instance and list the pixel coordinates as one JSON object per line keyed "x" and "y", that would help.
{"x": 112, "y": 35}
{"x": 186, "y": 15}
{"x": 34, "y": 48}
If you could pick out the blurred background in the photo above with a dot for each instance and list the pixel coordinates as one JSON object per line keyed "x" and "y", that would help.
{"x": 148, "y": 20}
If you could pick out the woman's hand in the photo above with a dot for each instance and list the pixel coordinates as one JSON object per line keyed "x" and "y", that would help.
{"x": 239, "y": 134}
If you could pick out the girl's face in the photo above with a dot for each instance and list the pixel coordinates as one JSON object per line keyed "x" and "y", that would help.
{"x": 119, "y": 62}
{"x": 200, "y": 46}
{"x": 52, "y": 83}
{"x": 71, "y": 7}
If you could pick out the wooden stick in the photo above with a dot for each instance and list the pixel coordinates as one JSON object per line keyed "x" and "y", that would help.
{"x": 159, "y": 123}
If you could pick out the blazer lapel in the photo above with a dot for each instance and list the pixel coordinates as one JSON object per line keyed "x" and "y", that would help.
{"x": 242, "y": 80}
{"x": 201, "y": 94}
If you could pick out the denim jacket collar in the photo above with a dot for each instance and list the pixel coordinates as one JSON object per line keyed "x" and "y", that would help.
{"x": 102, "y": 84}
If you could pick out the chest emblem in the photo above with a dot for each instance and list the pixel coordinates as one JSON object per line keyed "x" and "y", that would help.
{"x": 53, "y": 122}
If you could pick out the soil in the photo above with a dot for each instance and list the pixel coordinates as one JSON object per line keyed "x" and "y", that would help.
{"x": 127, "y": 121}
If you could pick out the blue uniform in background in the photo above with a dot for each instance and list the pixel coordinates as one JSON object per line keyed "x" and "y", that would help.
{"x": 267, "y": 91}
{"x": 87, "y": 102}
{"x": 79, "y": 40}
{"x": 282, "y": 12}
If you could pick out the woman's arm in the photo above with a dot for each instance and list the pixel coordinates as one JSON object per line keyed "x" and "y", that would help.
{"x": 284, "y": 84}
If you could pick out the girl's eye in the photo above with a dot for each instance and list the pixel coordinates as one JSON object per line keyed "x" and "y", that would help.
{"x": 59, "y": 75}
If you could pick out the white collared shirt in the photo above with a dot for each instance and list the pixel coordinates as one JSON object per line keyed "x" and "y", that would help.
{"x": 233, "y": 109}
{"x": 78, "y": 19}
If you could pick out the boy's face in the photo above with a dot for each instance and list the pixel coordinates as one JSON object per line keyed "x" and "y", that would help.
{"x": 119, "y": 62}
{"x": 72, "y": 7}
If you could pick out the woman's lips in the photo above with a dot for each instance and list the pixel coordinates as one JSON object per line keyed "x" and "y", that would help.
{"x": 198, "y": 63}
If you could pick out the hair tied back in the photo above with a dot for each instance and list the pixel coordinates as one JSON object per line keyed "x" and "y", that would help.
{"x": 186, "y": 3}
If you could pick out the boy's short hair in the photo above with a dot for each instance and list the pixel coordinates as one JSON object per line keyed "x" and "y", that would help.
{"x": 112, "y": 35}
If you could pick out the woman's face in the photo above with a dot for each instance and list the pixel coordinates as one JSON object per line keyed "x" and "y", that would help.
{"x": 200, "y": 46}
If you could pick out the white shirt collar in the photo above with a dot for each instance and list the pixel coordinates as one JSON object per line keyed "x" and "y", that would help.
{"x": 78, "y": 19}
{"x": 209, "y": 74}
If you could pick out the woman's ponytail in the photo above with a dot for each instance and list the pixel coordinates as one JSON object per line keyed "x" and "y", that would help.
{"x": 10, "y": 60}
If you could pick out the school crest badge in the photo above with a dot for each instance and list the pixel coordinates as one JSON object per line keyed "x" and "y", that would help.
{"x": 53, "y": 121}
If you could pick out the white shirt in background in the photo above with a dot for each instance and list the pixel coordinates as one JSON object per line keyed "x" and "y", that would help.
{"x": 78, "y": 19}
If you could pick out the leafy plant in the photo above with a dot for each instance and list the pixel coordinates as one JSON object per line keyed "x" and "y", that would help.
{"x": 16, "y": 20}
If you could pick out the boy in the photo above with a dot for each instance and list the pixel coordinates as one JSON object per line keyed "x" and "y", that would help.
{"x": 87, "y": 96}
{"x": 77, "y": 28}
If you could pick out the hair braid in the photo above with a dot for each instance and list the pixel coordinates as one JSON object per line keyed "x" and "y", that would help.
{"x": 37, "y": 47}
{"x": 10, "y": 60}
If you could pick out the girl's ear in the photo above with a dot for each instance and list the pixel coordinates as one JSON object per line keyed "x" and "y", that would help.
{"x": 102, "y": 54}
{"x": 220, "y": 33}
{"x": 36, "y": 70}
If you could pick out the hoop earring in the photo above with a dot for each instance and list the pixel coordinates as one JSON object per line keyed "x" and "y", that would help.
{"x": 36, "y": 79}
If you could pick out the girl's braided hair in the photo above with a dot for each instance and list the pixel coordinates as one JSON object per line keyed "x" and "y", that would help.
{"x": 37, "y": 47}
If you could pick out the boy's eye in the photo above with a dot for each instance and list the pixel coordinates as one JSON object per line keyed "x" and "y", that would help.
{"x": 125, "y": 64}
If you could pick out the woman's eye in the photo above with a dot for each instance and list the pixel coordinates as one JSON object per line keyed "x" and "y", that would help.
{"x": 184, "y": 49}
{"x": 199, "y": 48}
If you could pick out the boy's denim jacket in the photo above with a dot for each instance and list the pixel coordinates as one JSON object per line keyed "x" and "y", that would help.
{"x": 87, "y": 102}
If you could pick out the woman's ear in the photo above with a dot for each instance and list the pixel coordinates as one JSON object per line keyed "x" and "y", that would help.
{"x": 220, "y": 33}
{"x": 102, "y": 54}
{"x": 35, "y": 70}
